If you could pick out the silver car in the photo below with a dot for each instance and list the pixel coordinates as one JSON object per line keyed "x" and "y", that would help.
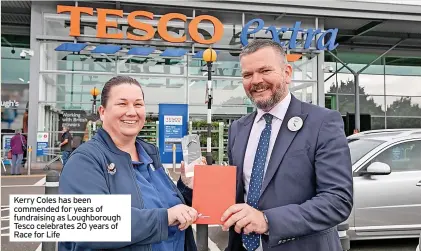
{"x": 387, "y": 184}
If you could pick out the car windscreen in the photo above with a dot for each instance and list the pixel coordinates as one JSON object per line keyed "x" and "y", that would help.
{"x": 360, "y": 147}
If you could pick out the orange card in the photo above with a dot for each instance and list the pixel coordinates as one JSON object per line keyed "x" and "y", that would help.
{"x": 213, "y": 192}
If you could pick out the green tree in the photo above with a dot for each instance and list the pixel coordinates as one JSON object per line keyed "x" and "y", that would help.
{"x": 400, "y": 107}
{"x": 367, "y": 103}
{"x": 403, "y": 107}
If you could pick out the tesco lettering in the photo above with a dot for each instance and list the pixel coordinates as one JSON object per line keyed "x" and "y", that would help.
{"x": 173, "y": 120}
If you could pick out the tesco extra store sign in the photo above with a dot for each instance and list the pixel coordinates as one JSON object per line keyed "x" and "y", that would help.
{"x": 193, "y": 28}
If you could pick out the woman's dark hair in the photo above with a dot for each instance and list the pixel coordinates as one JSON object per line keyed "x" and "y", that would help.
{"x": 115, "y": 81}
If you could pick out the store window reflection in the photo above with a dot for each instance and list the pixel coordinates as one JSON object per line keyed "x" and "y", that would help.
{"x": 403, "y": 106}
{"x": 83, "y": 61}
{"x": 302, "y": 91}
{"x": 162, "y": 90}
{"x": 403, "y": 85}
{"x": 402, "y": 122}
{"x": 14, "y": 106}
{"x": 152, "y": 65}
{"x": 373, "y": 105}
{"x": 378, "y": 123}
{"x": 226, "y": 65}
{"x": 14, "y": 90}
{"x": 390, "y": 90}
{"x": 339, "y": 83}
{"x": 228, "y": 97}
{"x": 71, "y": 88}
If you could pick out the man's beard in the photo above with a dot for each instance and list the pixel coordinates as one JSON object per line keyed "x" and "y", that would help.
{"x": 269, "y": 103}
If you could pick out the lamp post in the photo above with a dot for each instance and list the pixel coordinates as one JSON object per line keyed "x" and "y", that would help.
{"x": 94, "y": 93}
{"x": 209, "y": 56}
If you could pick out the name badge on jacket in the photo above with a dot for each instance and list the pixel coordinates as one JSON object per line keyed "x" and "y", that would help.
{"x": 112, "y": 168}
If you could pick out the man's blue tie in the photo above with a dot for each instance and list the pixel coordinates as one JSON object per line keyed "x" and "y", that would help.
{"x": 252, "y": 240}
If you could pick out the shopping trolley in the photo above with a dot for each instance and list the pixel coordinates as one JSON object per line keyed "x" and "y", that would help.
{"x": 4, "y": 158}
{"x": 56, "y": 154}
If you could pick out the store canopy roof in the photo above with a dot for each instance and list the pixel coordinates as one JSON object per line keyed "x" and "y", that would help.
{"x": 71, "y": 47}
{"x": 107, "y": 49}
{"x": 136, "y": 51}
{"x": 143, "y": 51}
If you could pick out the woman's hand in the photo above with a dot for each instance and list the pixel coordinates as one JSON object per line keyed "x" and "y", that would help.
{"x": 188, "y": 181}
{"x": 182, "y": 215}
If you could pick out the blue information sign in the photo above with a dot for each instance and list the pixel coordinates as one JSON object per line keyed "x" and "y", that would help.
{"x": 7, "y": 139}
{"x": 42, "y": 143}
{"x": 42, "y": 148}
{"x": 172, "y": 128}
{"x": 6, "y": 147}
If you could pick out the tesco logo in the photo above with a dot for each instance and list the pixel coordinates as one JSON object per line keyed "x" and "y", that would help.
{"x": 173, "y": 120}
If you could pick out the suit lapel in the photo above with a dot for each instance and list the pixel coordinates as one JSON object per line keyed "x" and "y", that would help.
{"x": 239, "y": 153}
{"x": 283, "y": 141}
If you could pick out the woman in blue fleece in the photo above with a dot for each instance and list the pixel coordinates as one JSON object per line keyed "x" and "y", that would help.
{"x": 160, "y": 219}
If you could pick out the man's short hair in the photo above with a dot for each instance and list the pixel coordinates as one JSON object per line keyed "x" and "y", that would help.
{"x": 258, "y": 44}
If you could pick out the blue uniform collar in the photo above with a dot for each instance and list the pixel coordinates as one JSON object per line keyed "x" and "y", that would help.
{"x": 143, "y": 155}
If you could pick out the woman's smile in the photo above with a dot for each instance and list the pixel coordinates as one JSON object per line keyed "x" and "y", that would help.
{"x": 130, "y": 122}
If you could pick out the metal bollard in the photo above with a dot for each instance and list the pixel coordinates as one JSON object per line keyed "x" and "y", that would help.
{"x": 28, "y": 160}
{"x": 173, "y": 157}
{"x": 343, "y": 236}
{"x": 51, "y": 187}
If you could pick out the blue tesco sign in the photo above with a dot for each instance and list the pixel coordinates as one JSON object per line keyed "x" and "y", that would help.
{"x": 172, "y": 128}
{"x": 275, "y": 33}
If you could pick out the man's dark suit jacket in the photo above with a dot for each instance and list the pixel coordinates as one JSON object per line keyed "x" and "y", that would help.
{"x": 307, "y": 189}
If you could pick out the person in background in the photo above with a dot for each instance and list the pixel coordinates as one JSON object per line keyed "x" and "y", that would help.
{"x": 18, "y": 146}
{"x": 66, "y": 144}
{"x": 115, "y": 161}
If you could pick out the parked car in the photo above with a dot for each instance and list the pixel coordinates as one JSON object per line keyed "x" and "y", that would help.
{"x": 386, "y": 167}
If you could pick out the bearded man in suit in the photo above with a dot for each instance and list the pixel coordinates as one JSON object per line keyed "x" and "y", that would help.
{"x": 294, "y": 172}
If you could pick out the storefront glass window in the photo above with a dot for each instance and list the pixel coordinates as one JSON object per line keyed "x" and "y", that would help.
{"x": 377, "y": 123}
{"x": 69, "y": 61}
{"x": 340, "y": 83}
{"x": 404, "y": 70}
{"x": 402, "y": 122}
{"x": 403, "y": 85}
{"x": 403, "y": 106}
{"x": 373, "y": 105}
{"x": 14, "y": 90}
{"x": 371, "y": 84}
{"x": 164, "y": 80}
{"x": 162, "y": 90}
{"x": 304, "y": 69}
{"x": 391, "y": 89}
{"x": 229, "y": 96}
{"x": 152, "y": 65}
{"x": 302, "y": 91}
{"x": 15, "y": 70}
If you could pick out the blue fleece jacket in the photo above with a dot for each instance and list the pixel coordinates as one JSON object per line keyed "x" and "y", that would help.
{"x": 86, "y": 173}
